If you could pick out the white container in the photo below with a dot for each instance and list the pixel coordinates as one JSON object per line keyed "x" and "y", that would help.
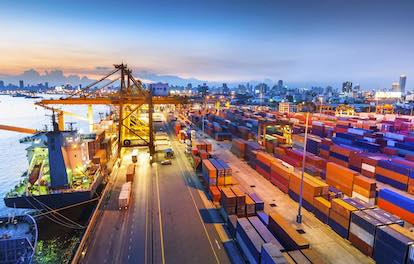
{"x": 368, "y": 167}
{"x": 362, "y": 234}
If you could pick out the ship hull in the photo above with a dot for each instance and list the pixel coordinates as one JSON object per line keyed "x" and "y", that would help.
{"x": 55, "y": 200}
{"x": 48, "y": 201}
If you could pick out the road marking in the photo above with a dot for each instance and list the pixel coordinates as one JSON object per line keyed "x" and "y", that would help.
{"x": 217, "y": 243}
{"x": 197, "y": 210}
{"x": 146, "y": 220}
{"x": 159, "y": 214}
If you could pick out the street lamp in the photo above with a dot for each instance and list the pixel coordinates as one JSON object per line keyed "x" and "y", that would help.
{"x": 299, "y": 216}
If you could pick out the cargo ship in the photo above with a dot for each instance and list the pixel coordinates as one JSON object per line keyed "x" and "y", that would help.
{"x": 66, "y": 168}
{"x": 18, "y": 239}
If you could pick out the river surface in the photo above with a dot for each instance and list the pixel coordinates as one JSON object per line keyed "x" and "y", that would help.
{"x": 22, "y": 112}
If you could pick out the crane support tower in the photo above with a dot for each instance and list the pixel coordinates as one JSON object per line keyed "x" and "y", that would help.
{"x": 131, "y": 100}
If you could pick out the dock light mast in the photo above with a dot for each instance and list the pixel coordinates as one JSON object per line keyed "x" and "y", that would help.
{"x": 299, "y": 216}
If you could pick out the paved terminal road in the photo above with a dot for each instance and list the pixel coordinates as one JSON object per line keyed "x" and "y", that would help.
{"x": 169, "y": 219}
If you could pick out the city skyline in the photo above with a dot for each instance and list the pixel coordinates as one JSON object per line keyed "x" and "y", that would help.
{"x": 323, "y": 43}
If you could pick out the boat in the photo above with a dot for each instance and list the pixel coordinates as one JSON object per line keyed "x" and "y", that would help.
{"x": 18, "y": 239}
{"x": 65, "y": 169}
{"x": 18, "y": 95}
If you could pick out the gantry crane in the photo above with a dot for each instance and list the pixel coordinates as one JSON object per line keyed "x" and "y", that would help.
{"x": 131, "y": 100}
{"x": 60, "y": 116}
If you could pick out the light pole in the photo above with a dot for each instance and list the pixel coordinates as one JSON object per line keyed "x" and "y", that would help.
{"x": 299, "y": 216}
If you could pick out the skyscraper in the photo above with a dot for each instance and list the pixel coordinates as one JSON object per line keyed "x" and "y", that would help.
{"x": 225, "y": 89}
{"x": 21, "y": 84}
{"x": 280, "y": 83}
{"x": 1, "y": 84}
{"x": 347, "y": 87}
{"x": 403, "y": 79}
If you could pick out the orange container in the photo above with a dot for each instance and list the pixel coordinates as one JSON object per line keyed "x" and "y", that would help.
{"x": 392, "y": 175}
{"x": 322, "y": 204}
{"x": 343, "y": 221}
{"x": 342, "y": 208}
{"x": 340, "y": 177}
{"x": 393, "y": 209}
{"x": 215, "y": 193}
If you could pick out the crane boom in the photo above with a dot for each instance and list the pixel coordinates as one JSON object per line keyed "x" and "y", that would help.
{"x": 18, "y": 129}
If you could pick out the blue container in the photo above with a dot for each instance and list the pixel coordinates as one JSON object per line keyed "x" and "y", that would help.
{"x": 250, "y": 239}
{"x": 355, "y": 168}
{"x": 258, "y": 201}
{"x": 397, "y": 199}
{"x": 339, "y": 156}
{"x": 384, "y": 216}
{"x": 344, "y": 141}
{"x": 271, "y": 255}
{"x": 340, "y": 230}
{"x": 365, "y": 221}
{"x": 308, "y": 206}
{"x": 263, "y": 217}
{"x": 321, "y": 216}
{"x": 393, "y": 183}
{"x": 359, "y": 204}
{"x": 390, "y": 246}
{"x": 345, "y": 136}
{"x": 232, "y": 225}
{"x": 264, "y": 233}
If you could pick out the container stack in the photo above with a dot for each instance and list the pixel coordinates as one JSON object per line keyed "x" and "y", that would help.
{"x": 240, "y": 201}
{"x": 396, "y": 203}
{"x": 340, "y": 177}
{"x": 209, "y": 173}
{"x": 321, "y": 208}
{"x": 362, "y": 231}
{"x": 238, "y": 147}
{"x": 286, "y": 234}
{"x": 280, "y": 175}
{"x": 228, "y": 201}
{"x": 394, "y": 174}
{"x": 249, "y": 240}
{"x": 264, "y": 163}
{"x": 393, "y": 245}
{"x": 312, "y": 188}
{"x": 365, "y": 189}
{"x": 341, "y": 154}
{"x": 340, "y": 216}
{"x": 250, "y": 152}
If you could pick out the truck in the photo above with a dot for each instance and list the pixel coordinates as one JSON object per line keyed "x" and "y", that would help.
{"x": 124, "y": 196}
{"x": 134, "y": 155}
{"x": 130, "y": 172}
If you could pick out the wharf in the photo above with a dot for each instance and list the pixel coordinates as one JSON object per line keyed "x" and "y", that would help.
{"x": 322, "y": 238}
{"x": 169, "y": 220}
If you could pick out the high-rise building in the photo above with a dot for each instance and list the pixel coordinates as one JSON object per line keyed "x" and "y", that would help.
{"x": 280, "y": 83}
{"x": 21, "y": 84}
{"x": 403, "y": 79}
{"x": 396, "y": 87}
{"x": 203, "y": 89}
{"x": 225, "y": 89}
{"x": 46, "y": 85}
{"x": 242, "y": 89}
{"x": 160, "y": 89}
{"x": 347, "y": 87}
{"x": 1, "y": 85}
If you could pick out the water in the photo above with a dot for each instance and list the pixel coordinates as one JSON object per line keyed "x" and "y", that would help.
{"x": 58, "y": 245}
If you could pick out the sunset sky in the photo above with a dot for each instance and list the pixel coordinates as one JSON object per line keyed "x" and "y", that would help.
{"x": 323, "y": 41}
